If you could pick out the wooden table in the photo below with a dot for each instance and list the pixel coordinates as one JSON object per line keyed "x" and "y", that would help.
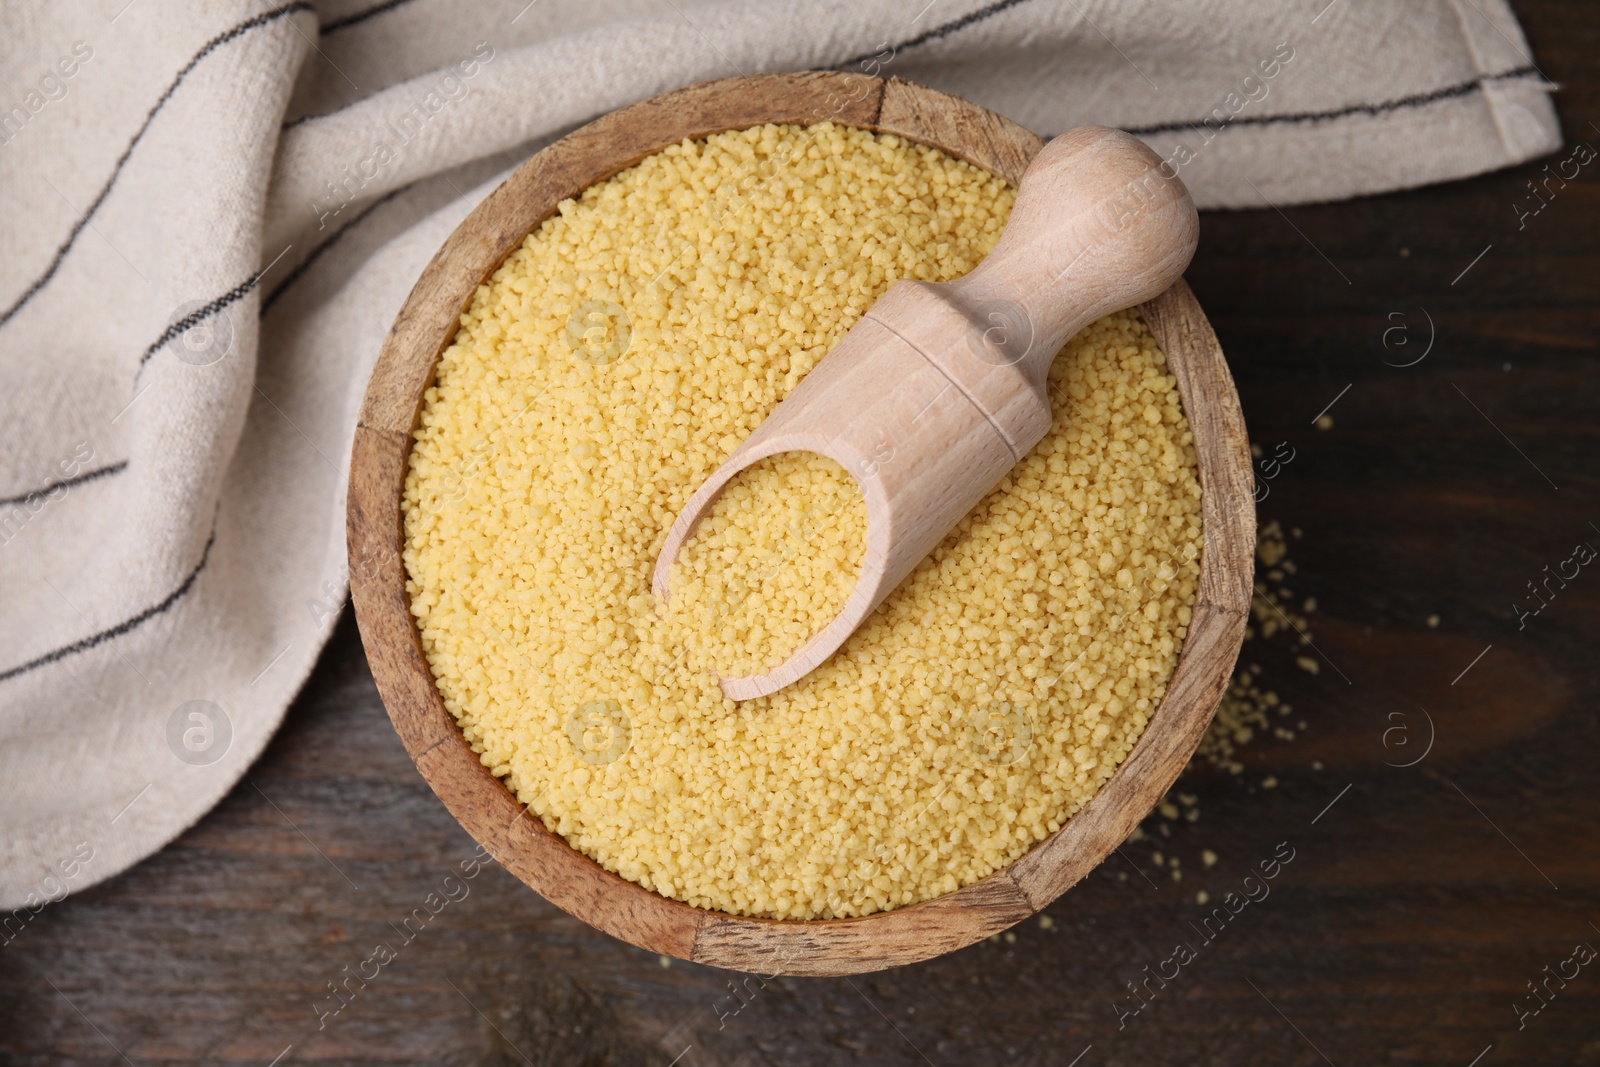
{"x": 1420, "y": 901}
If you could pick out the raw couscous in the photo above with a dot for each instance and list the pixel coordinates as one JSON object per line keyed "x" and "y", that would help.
{"x": 606, "y": 368}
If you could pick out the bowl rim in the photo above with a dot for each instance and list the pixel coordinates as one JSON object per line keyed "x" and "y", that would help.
{"x": 389, "y": 416}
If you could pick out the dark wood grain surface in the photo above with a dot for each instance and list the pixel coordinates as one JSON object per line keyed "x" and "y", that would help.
{"x": 1406, "y": 929}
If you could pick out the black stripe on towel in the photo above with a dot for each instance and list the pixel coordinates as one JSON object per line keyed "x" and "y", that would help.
{"x": 94, "y": 205}
{"x": 953, "y": 26}
{"x": 199, "y": 315}
{"x": 122, "y": 627}
{"x": 65, "y": 483}
{"x": 1416, "y": 100}
{"x": 361, "y": 16}
{"x": 316, "y": 253}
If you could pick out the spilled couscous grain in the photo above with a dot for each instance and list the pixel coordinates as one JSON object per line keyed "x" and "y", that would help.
{"x": 606, "y": 369}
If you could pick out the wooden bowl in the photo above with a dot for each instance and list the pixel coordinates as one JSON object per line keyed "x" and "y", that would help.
{"x": 488, "y": 809}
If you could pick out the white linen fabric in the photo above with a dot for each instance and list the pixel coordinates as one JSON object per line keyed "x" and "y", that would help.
{"x": 213, "y": 210}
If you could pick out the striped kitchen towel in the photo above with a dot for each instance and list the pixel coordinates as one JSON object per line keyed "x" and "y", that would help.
{"x": 213, "y": 210}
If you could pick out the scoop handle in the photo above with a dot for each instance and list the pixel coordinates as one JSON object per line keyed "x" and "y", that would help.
{"x": 1098, "y": 226}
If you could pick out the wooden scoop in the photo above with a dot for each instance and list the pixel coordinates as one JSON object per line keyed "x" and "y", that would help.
{"x": 939, "y": 389}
